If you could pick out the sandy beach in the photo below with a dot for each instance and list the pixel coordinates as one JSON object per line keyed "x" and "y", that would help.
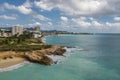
{"x": 4, "y": 63}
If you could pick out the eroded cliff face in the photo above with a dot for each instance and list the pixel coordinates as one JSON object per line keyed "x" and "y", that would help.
{"x": 37, "y": 56}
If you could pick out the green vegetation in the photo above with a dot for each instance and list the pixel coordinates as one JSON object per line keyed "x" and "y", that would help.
{"x": 23, "y": 42}
{"x": 23, "y": 47}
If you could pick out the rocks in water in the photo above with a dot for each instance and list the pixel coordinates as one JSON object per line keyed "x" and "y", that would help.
{"x": 60, "y": 51}
{"x": 37, "y": 56}
{"x": 46, "y": 60}
{"x": 39, "y": 59}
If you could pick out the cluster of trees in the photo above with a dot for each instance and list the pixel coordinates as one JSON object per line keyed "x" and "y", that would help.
{"x": 17, "y": 39}
{"x": 23, "y": 47}
{"x": 21, "y": 43}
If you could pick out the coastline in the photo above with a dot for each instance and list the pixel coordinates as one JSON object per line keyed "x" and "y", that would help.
{"x": 45, "y": 36}
{"x": 10, "y": 60}
{"x": 11, "y": 64}
{"x": 13, "y": 67}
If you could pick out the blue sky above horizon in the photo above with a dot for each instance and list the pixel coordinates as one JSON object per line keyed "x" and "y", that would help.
{"x": 98, "y": 16}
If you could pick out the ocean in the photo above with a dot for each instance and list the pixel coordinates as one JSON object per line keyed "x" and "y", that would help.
{"x": 94, "y": 57}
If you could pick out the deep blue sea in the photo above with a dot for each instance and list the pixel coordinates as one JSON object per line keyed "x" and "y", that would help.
{"x": 96, "y": 57}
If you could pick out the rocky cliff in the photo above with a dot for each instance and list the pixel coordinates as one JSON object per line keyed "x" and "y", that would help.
{"x": 37, "y": 56}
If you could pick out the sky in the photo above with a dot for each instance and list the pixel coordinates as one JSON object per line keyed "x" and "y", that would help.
{"x": 91, "y": 16}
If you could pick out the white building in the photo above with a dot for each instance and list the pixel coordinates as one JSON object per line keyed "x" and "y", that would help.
{"x": 37, "y": 32}
{"x": 17, "y": 30}
{"x": 36, "y": 35}
{"x": 5, "y": 33}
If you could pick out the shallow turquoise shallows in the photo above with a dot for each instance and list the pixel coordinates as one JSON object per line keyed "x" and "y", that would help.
{"x": 97, "y": 57}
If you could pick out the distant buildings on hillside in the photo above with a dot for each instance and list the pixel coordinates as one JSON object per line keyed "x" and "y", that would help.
{"x": 5, "y": 33}
{"x": 54, "y": 32}
{"x": 18, "y": 30}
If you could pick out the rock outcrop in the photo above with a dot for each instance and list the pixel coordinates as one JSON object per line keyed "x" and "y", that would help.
{"x": 37, "y": 56}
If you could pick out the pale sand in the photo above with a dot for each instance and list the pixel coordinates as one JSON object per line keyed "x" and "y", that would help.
{"x": 10, "y": 62}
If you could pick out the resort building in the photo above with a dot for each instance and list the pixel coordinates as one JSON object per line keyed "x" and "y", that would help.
{"x": 5, "y": 33}
{"x": 17, "y": 30}
{"x": 37, "y": 32}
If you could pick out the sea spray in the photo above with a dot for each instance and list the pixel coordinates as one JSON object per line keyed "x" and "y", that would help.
{"x": 59, "y": 59}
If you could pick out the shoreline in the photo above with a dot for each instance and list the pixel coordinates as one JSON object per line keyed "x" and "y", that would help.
{"x": 13, "y": 67}
{"x": 11, "y": 64}
{"x": 43, "y": 37}
{"x": 10, "y": 60}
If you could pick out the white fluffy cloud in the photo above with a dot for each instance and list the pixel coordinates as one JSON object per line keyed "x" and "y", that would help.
{"x": 81, "y": 22}
{"x": 13, "y": 17}
{"x": 96, "y": 24}
{"x": 33, "y": 24}
{"x": 116, "y": 18}
{"x": 44, "y": 6}
{"x": 50, "y": 23}
{"x": 40, "y": 17}
{"x": 89, "y": 24}
{"x": 116, "y": 24}
{"x": 81, "y": 7}
{"x": 63, "y": 18}
{"x": 25, "y": 8}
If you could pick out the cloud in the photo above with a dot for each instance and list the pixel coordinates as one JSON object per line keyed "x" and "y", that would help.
{"x": 50, "y": 23}
{"x": 13, "y": 17}
{"x": 27, "y": 4}
{"x": 40, "y": 17}
{"x": 43, "y": 6}
{"x": 24, "y": 9}
{"x": 37, "y": 23}
{"x": 88, "y": 24}
{"x": 116, "y": 24}
{"x": 116, "y": 18}
{"x": 81, "y": 22}
{"x": 81, "y": 7}
{"x": 63, "y": 18}
{"x": 83, "y": 14}
{"x": 33, "y": 24}
{"x": 96, "y": 24}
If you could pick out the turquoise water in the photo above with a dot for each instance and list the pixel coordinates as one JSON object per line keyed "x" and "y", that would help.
{"x": 97, "y": 57}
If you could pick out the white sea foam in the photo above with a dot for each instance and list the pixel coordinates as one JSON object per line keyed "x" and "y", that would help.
{"x": 58, "y": 59}
{"x": 13, "y": 67}
{"x": 73, "y": 49}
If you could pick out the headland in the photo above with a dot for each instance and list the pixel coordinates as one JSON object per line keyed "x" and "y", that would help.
{"x": 29, "y": 49}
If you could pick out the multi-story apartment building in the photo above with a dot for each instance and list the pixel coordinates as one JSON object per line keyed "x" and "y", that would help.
{"x": 37, "y": 32}
{"x": 17, "y": 30}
